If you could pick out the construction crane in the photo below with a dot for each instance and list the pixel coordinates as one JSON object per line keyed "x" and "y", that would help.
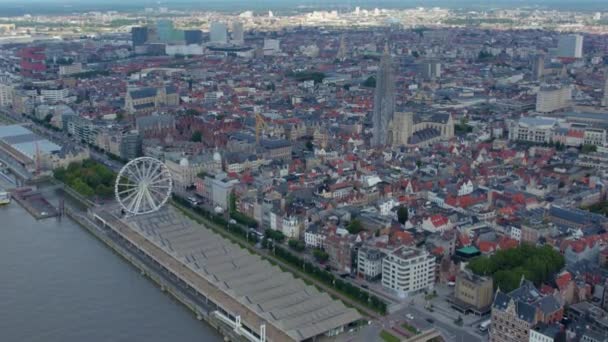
{"x": 260, "y": 124}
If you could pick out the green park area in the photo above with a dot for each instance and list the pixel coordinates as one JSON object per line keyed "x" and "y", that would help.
{"x": 88, "y": 178}
{"x": 507, "y": 267}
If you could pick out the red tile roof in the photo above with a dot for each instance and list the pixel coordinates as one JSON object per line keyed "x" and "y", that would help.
{"x": 486, "y": 246}
{"x": 576, "y": 134}
{"x": 439, "y": 220}
{"x": 507, "y": 243}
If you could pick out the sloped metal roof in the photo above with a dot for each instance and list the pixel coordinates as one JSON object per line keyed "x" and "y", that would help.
{"x": 291, "y": 305}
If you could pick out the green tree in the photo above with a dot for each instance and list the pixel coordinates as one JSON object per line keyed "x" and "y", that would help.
{"x": 232, "y": 202}
{"x": 320, "y": 255}
{"x": 370, "y": 82}
{"x": 402, "y": 214}
{"x": 484, "y": 55}
{"x": 60, "y": 174}
{"x": 482, "y": 266}
{"x": 354, "y": 226}
{"x": 275, "y": 235}
{"x": 587, "y": 148}
{"x": 197, "y": 136}
{"x": 82, "y": 188}
{"x": 537, "y": 264}
{"x": 296, "y": 245}
{"x": 88, "y": 178}
{"x": 192, "y": 112}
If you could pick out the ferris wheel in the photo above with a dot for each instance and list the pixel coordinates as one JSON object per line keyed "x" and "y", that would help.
{"x": 143, "y": 186}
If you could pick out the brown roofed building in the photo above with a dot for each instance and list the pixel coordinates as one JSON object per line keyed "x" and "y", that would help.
{"x": 473, "y": 293}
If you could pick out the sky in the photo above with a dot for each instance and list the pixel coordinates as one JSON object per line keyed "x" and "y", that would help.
{"x": 20, "y": 7}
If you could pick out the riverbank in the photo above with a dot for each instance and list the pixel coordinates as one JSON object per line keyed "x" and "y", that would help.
{"x": 34, "y": 203}
{"x": 200, "y": 295}
{"x": 61, "y": 284}
{"x": 164, "y": 281}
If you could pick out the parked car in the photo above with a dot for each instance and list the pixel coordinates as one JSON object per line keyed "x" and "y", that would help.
{"x": 409, "y": 316}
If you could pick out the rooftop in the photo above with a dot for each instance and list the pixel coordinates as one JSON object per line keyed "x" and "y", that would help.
{"x": 468, "y": 250}
{"x": 26, "y": 142}
{"x": 537, "y": 122}
{"x": 13, "y": 130}
{"x": 407, "y": 252}
{"x": 300, "y": 310}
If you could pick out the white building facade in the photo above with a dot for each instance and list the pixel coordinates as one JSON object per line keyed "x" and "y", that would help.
{"x": 537, "y": 336}
{"x": 291, "y": 227}
{"x": 218, "y": 33}
{"x": 552, "y": 98}
{"x": 369, "y": 263}
{"x": 6, "y": 95}
{"x": 408, "y": 270}
{"x": 533, "y": 129}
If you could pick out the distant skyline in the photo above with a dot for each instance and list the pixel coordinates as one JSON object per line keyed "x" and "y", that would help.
{"x": 21, "y": 7}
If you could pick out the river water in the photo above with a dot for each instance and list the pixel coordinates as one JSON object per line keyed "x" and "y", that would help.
{"x": 58, "y": 283}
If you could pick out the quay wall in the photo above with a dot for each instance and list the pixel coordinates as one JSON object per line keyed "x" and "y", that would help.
{"x": 165, "y": 286}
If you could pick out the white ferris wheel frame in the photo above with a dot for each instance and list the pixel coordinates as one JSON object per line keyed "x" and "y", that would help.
{"x": 148, "y": 188}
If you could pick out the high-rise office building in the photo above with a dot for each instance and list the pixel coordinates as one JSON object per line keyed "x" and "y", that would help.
{"x": 152, "y": 35}
{"x": 164, "y": 30}
{"x": 605, "y": 98}
{"x": 570, "y": 46}
{"x": 271, "y": 46}
{"x": 218, "y": 33}
{"x": 408, "y": 270}
{"x": 552, "y": 98}
{"x": 166, "y": 33}
{"x": 32, "y": 61}
{"x": 130, "y": 145}
{"x": 539, "y": 67}
{"x": 342, "y": 50}
{"x": 430, "y": 69}
{"x": 139, "y": 35}
{"x": 193, "y": 37}
{"x": 384, "y": 100}
{"x": 238, "y": 34}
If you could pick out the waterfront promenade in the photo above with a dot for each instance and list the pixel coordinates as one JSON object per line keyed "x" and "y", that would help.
{"x": 262, "y": 308}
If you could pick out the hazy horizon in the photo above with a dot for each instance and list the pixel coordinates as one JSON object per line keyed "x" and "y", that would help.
{"x": 21, "y": 7}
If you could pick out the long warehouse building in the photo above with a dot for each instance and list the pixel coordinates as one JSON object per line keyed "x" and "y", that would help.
{"x": 260, "y": 300}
